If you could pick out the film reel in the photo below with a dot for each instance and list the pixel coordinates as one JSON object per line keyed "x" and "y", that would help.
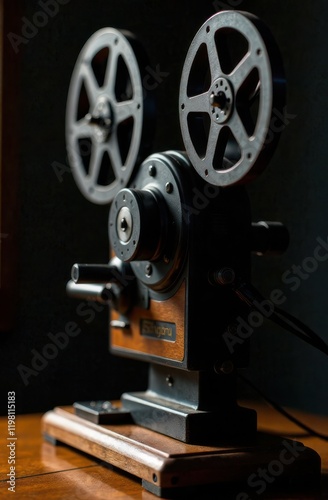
{"x": 108, "y": 117}
{"x": 232, "y": 92}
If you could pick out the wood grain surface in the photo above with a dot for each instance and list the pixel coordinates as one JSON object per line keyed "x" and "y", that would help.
{"x": 48, "y": 472}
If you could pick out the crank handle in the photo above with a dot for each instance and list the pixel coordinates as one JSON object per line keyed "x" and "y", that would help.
{"x": 96, "y": 293}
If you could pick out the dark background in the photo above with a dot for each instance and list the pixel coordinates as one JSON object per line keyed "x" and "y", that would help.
{"x": 58, "y": 227}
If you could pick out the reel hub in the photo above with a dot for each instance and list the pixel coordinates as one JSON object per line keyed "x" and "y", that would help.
{"x": 221, "y": 100}
{"x": 101, "y": 119}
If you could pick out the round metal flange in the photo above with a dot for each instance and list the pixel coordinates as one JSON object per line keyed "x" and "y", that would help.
{"x": 107, "y": 114}
{"x": 137, "y": 224}
{"x": 146, "y": 221}
{"x": 232, "y": 92}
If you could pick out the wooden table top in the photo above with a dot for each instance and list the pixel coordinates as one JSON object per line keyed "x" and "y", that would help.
{"x": 49, "y": 472}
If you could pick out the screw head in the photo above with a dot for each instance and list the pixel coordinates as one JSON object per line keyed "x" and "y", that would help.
{"x": 148, "y": 270}
{"x": 225, "y": 276}
{"x": 152, "y": 170}
{"x": 227, "y": 367}
{"x": 169, "y": 187}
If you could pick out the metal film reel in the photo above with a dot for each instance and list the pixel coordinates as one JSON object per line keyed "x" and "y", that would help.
{"x": 232, "y": 93}
{"x": 107, "y": 115}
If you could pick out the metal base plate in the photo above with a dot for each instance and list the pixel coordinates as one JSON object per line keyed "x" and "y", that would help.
{"x": 189, "y": 425}
{"x": 102, "y": 412}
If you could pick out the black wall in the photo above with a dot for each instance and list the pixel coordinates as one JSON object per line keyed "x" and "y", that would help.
{"x": 59, "y": 227}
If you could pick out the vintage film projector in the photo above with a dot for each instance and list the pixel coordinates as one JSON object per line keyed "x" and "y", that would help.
{"x": 180, "y": 231}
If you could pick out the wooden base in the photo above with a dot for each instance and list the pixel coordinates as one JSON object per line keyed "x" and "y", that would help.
{"x": 167, "y": 466}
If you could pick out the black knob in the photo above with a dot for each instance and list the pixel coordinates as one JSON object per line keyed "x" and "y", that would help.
{"x": 93, "y": 273}
{"x": 269, "y": 238}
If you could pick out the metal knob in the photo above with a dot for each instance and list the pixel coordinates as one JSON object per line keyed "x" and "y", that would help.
{"x": 95, "y": 273}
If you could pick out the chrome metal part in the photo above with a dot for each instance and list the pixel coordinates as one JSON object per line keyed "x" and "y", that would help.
{"x": 88, "y": 291}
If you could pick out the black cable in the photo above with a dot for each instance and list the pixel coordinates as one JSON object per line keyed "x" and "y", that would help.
{"x": 249, "y": 294}
{"x": 284, "y": 412}
{"x": 280, "y": 321}
{"x": 292, "y": 322}
{"x": 303, "y": 327}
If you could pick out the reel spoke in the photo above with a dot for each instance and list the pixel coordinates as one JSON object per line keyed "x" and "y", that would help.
{"x": 90, "y": 82}
{"x": 81, "y": 128}
{"x": 111, "y": 71}
{"x": 213, "y": 57}
{"x": 232, "y": 83}
{"x": 242, "y": 71}
{"x": 125, "y": 110}
{"x": 197, "y": 103}
{"x": 211, "y": 145}
{"x": 95, "y": 164}
{"x": 115, "y": 157}
{"x": 239, "y": 132}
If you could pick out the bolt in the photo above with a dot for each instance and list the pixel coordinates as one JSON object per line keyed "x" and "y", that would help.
{"x": 169, "y": 187}
{"x": 98, "y": 120}
{"x": 152, "y": 170}
{"x": 227, "y": 367}
{"x": 106, "y": 405}
{"x": 225, "y": 276}
{"x": 148, "y": 270}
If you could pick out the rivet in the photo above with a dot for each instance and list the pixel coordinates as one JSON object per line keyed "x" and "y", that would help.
{"x": 152, "y": 170}
{"x": 169, "y": 187}
{"x": 148, "y": 270}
